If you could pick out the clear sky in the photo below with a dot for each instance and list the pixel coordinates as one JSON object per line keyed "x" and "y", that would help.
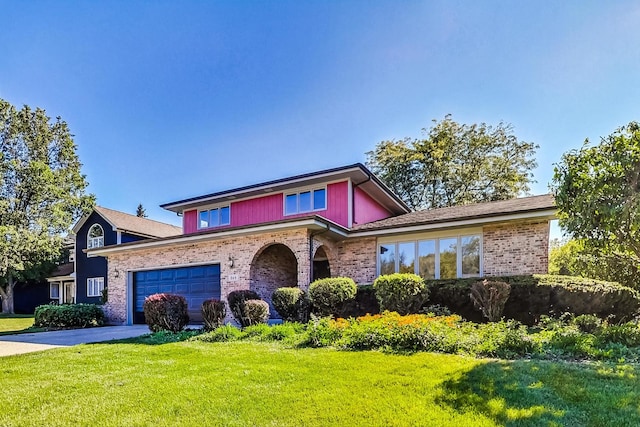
{"x": 172, "y": 99}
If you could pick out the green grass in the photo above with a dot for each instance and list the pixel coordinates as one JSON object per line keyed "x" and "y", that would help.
{"x": 15, "y": 323}
{"x": 144, "y": 382}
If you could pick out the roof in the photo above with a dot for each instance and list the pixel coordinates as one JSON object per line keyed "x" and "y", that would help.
{"x": 63, "y": 270}
{"x": 357, "y": 172}
{"x": 522, "y": 205}
{"x": 125, "y": 222}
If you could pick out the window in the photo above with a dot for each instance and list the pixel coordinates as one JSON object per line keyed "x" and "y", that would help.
{"x": 95, "y": 237}
{"x": 215, "y": 217}
{"x": 95, "y": 286}
{"x": 442, "y": 258}
{"x": 305, "y": 201}
{"x": 54, "y": 290}
{"x": 387, "y": 259}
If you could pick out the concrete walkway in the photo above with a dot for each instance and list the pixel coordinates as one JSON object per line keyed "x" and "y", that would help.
{"x": 27, "y": 343}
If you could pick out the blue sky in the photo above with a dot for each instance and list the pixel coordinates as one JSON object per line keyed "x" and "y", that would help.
{"x": 169, "y": 100}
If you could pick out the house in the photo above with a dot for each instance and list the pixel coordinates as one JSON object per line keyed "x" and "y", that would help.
{"x": 336, "y": 222}
{"x": 83, "y": 279}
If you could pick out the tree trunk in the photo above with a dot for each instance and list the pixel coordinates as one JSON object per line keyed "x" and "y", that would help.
{"x": 7, "y": 296}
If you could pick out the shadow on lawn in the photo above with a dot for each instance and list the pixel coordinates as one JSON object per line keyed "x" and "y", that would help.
{"x": 546, "y": 393}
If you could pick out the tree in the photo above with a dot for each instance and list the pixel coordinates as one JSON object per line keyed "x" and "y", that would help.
{"x": 455, "y": 164}
{"x": 141, "y": 212}
{"x": 597, "y": 191}
{"x": 42, "y": 193}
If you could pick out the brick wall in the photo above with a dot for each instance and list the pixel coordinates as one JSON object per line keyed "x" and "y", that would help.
{"x": 516, "y": 248}
{"x": 509, "y": 248}
{"x": 242, "y": 249}
{"x": 357, "y": 260}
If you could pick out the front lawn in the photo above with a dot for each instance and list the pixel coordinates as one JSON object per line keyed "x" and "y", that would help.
{"x": 12, "y": 323}
{"x": 266, "y": 384}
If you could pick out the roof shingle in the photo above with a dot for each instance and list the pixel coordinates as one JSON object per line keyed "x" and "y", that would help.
{"x": 459, "y": 213}
{"x": 137, "y": 225}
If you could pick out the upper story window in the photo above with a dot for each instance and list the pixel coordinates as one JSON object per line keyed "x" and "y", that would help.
{"x": 214, "y": 217}
{"x": 305, "y": 201}
{"x": 95, "y": 237}
{"x": 437, "y": 258}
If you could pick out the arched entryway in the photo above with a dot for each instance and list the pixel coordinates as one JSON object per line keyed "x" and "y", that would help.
{"x": 273, "y": 267}
{"x": 321, "y": 267}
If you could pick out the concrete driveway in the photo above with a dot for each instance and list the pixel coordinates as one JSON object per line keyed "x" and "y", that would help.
{"x": 27, "y": 343}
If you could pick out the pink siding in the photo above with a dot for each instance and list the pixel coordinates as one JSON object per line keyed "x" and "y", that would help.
{"x": 271, "y": 208}
{"x": 254, "y": 211}
{"x": 190, "y": 221}
{"x": 366, "y": 209}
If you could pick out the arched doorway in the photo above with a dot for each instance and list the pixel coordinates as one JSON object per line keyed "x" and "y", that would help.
{"x": 321, "y": 267}
{"x": 275, "y": 266}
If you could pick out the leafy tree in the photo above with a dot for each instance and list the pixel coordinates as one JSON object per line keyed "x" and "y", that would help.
{"x": 141, "y": 212}
{"x": 455, "y": 164}
{"x": 576, "y": 257}
{"x": 597, "y": 191}
{"x": 42, "y": 193}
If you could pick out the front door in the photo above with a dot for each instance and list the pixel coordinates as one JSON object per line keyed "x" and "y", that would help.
{"x": 69, "y": 293}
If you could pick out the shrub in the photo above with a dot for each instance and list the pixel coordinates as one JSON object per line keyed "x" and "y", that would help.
{"x": 291, "y": 304}
{"x": 256, "y": 311}
{"x": 68, "y": 316}
{"x": 329, "y": 296}
{"x": 587, "y": 323}
{"x": 436, "y": 310}
{"x": 403, "y": 293}
{"x": 535, "y": 295}
{"x": 222, "y": 334}
{"x": 627, "y": 334}
{"x": 490, "y": 297}
{"x": 213, "y": 313}
{"x": 165, "y": 312}
{"x": 365, "y": 302}
{"x": 236, "y": 300}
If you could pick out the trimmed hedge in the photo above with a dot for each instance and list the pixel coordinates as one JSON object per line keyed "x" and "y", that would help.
{"x": 236, "y": 300}
{"x": 165, "y": 312}
{"x": 329, "y": 296}
{"x": 68, "y": 316}
{"x": 542, "y": 294}
{"x": 256, "y": 311}
{"x": 403, "y": 293}
{"x": 365, "y": 302}
{"x": 291, "y": 303}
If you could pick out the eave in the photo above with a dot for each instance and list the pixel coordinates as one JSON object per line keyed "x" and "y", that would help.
{"x": 315, "y": 223}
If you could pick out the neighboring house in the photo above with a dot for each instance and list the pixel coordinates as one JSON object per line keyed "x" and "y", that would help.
{"x": 83, "y": 279}
{"x": 337, "y": 222}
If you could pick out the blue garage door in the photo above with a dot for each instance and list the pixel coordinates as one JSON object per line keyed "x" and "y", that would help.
{"x": 196, "y": 284}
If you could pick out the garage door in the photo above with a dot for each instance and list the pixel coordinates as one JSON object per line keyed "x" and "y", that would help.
{"x": 196, "y": 284}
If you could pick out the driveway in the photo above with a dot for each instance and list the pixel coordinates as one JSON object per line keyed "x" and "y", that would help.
{"x": 27, "y": 343}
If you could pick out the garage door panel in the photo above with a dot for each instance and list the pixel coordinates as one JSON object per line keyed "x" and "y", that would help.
{"x": 196, "y": 284}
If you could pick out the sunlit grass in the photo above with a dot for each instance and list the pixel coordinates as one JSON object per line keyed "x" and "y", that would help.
{"x": 266, "y": 384}
{"x": 12, "y": 323}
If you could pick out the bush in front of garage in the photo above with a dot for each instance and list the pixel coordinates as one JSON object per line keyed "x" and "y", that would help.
{"x": 256, "y": 311}
{"x": 68, "y": 316}
{"x": 213, "y": 313}
{"x": 165, "y": 312}
{"x": 236, "y": 300}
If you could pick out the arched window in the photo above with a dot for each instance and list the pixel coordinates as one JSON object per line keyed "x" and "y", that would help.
{"x": 95, "y": 238}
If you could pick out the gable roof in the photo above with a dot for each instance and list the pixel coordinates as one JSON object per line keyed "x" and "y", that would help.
{"x": 132, "y": 224}
{"x": 542, "y": 204}
{"x": 357, "y": 172}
